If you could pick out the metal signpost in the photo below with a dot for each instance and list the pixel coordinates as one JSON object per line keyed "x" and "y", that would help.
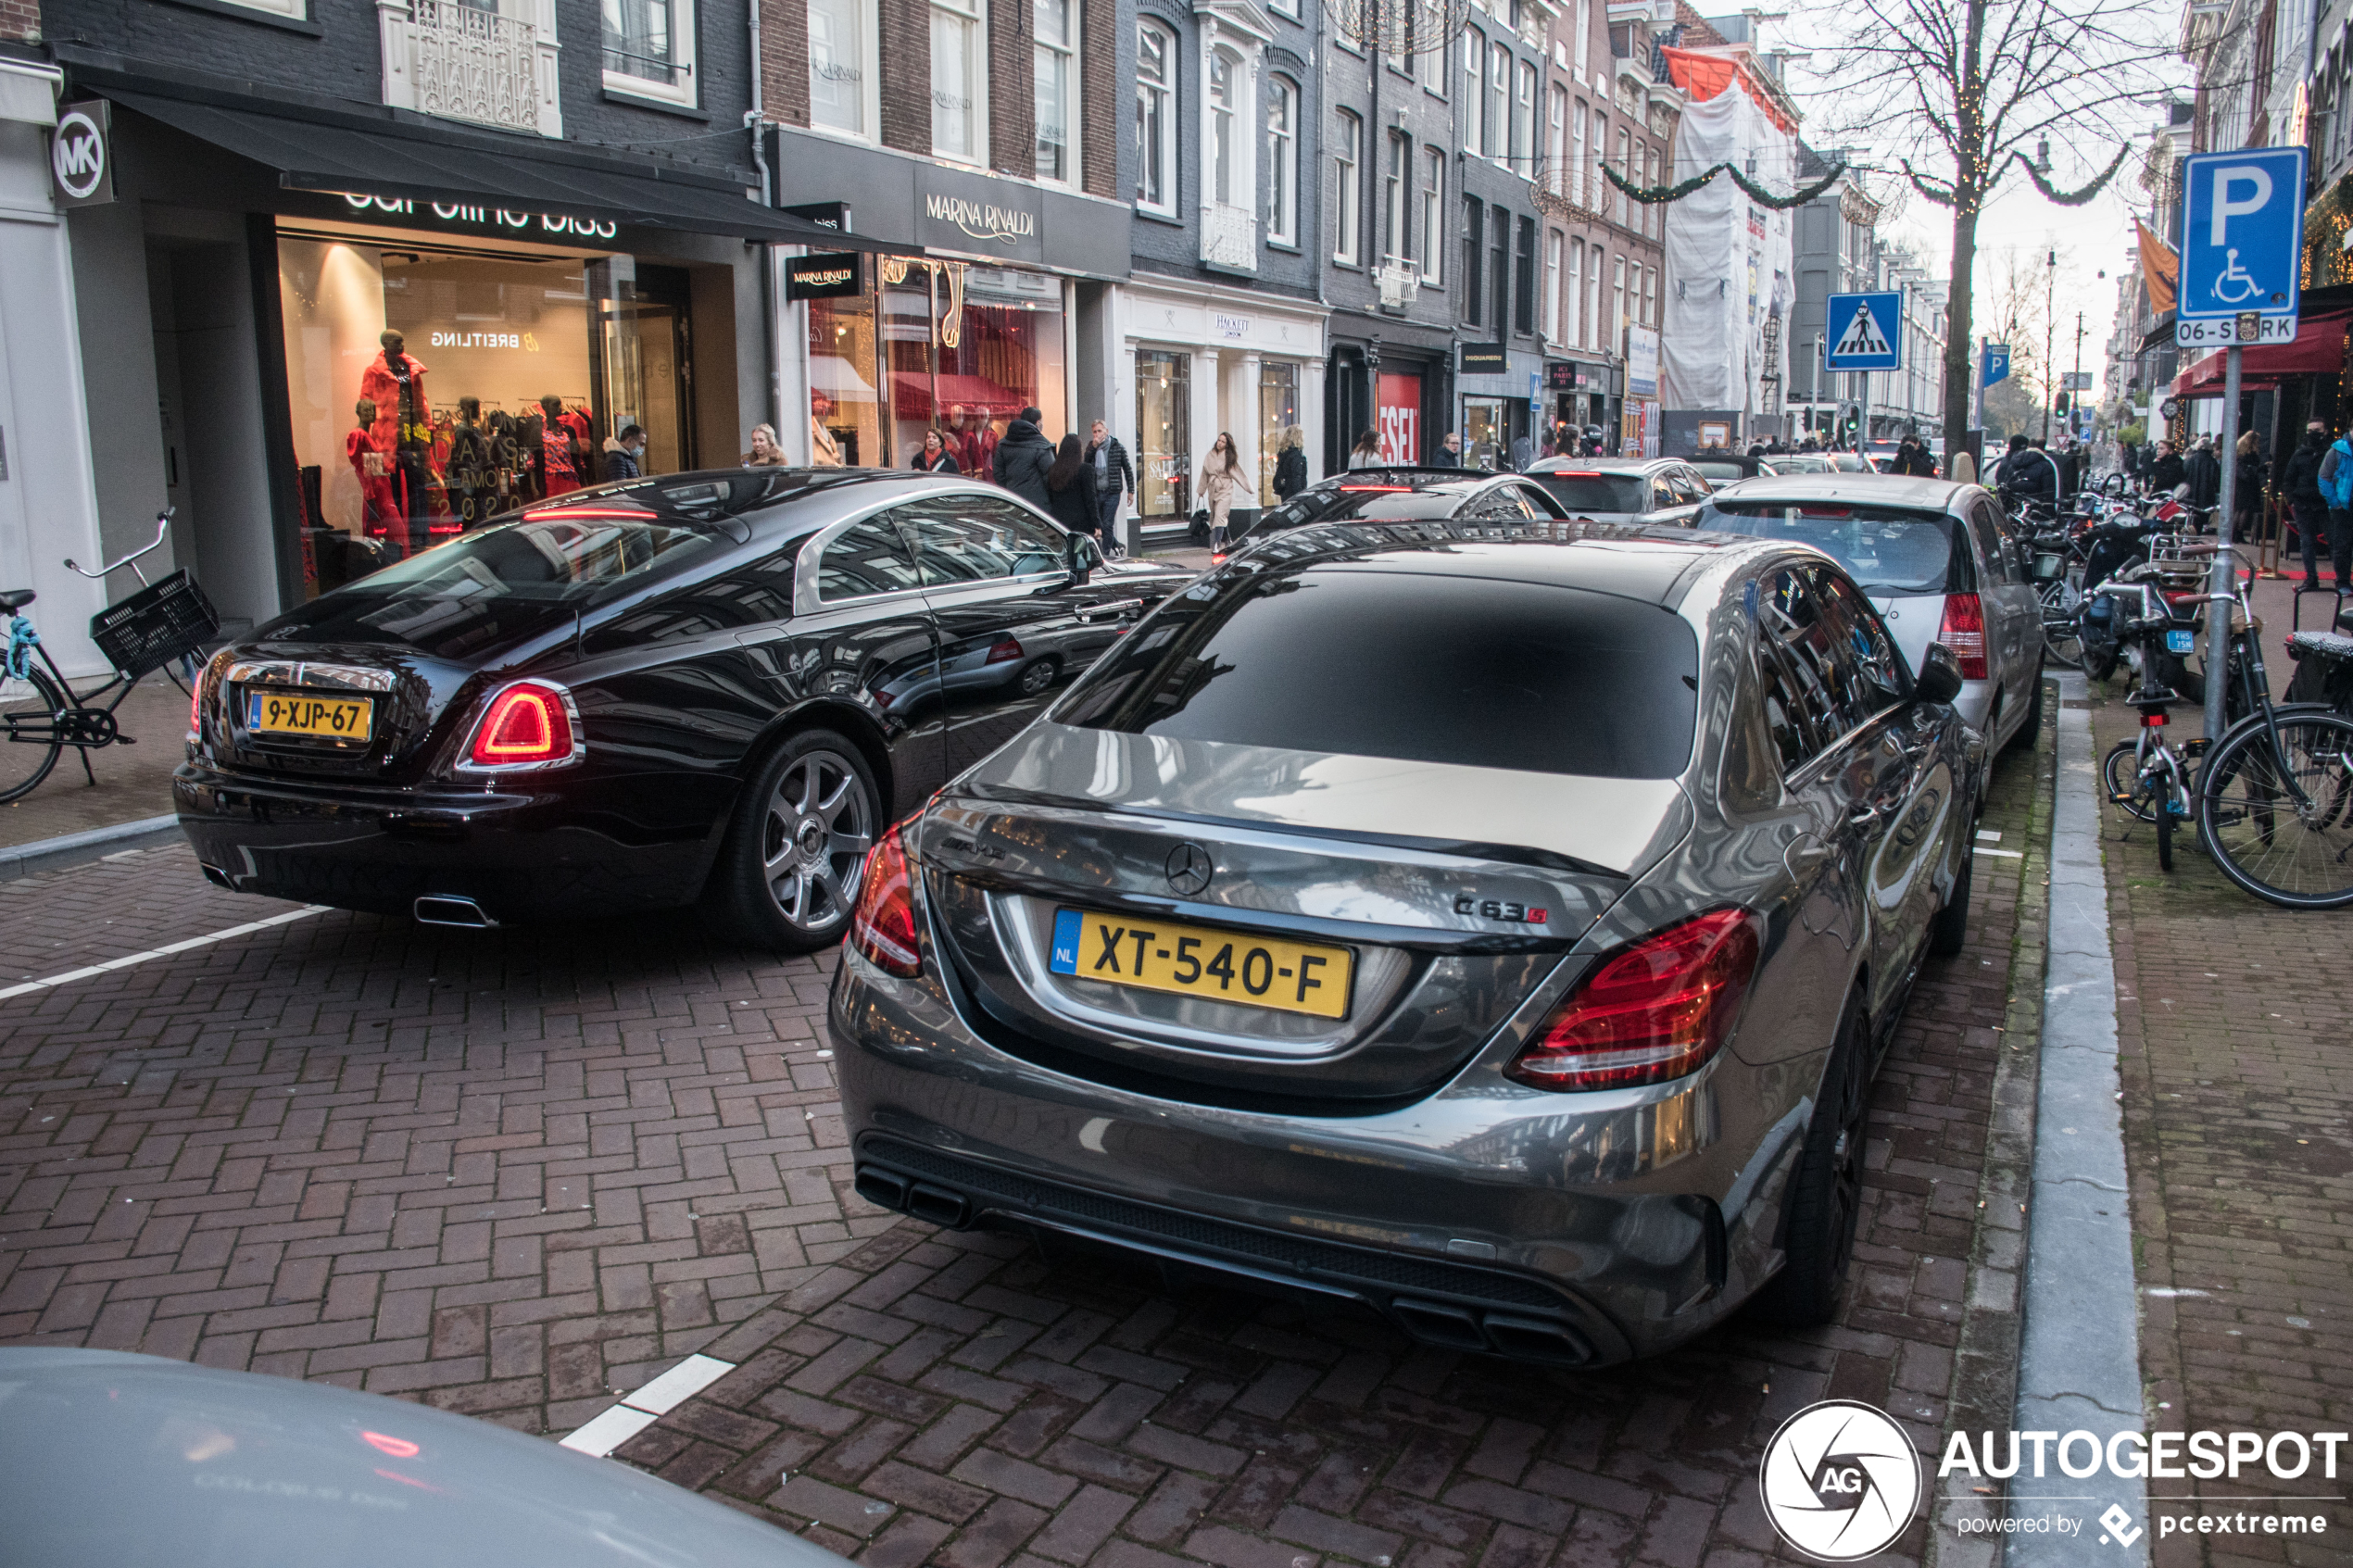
{"x": 2242, "y": 269}
{"x": 1866, "y": 333}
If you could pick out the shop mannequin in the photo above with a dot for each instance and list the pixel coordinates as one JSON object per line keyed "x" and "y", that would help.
{"x": 381, "y": 514}
{"x": 584, "y": 442}
{"x": 395, "y": 383}
{"x": 559, "y": 465}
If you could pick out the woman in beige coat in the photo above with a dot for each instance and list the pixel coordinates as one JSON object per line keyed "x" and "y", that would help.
{"x": 1222, "y": 483}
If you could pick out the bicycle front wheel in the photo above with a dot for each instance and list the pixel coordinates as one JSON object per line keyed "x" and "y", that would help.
{"x": 2120, "y": 772}
{"x": 30, "y": 710}
{"x": 2280, "y": 821}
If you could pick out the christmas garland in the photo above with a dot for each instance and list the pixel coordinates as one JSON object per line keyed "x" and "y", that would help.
{"x": 1651, "y": 195}
{"x": 1942, "y": 194}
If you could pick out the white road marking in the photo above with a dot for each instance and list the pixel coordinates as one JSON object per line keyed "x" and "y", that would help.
{"x": 2005, "y": 854}
{"x": 1991, "y": 836}
{"x": 608, "y": 1429}
{"x": 163, "y": 952}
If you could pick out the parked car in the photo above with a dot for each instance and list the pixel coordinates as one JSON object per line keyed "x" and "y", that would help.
{"x": 1474, "y": 494}
{"x": 1624, "y": 489}
{"x": 1725, "y": 467}
{"x": 708, "y": 689}
{"x": 1799, "y": 462}
{"x": 1852, "y": 462}
{"x": 1494, "y": 925}
{"x": 1934, "y": 557}
{"x": 108, "y": 1460}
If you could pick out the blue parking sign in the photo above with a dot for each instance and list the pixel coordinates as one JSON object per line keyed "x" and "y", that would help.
{"x": 1866, "y": 331}
{"x": 2242, "y": 233}
{"x": 1996, "y": 365}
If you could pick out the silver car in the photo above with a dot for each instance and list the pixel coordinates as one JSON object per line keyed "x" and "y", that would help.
{"x": 1493, "y": 923}
{"x": 1934, "y": 558}
{"x": 1624, "y": 489}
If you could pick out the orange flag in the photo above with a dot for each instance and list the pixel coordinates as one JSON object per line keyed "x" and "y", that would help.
{"x": 2160, "y": 267}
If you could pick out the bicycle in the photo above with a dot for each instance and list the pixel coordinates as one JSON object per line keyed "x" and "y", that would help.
{"x": 41, "y": 714}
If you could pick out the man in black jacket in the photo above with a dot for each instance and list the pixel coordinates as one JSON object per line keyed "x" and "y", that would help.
{"x": 2028, "y": 474}
{"x": 1023, "y": 458}
{"x": 2300, "y": 479}
{"x": 1114, "y": 478}
{"x": 2203, "y": 474}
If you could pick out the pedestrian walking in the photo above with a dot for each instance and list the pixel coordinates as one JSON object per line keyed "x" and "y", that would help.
{"x": 2336, "y": 489}
{"x": 1114, "y": 480}
{"x": 1366, "y": 453}
{"x": 2248, "y": 519}
{"x": 2169, "y": 469}
{"x": 1023, "y": 458}
{"x": 2204, "y": 476}
{"x": 766, "y": 453}
{"x": 1450, "y": 452}
{"x": 2300, "y": 480}
{"x": 1291, "y": 464}
{"x": 1070, "y": 490}
{"x": 1523, "y": 453}
{"x": 1222, "y": 483}
{"x": 623, "y": 451}
{"x": 937, "y": 456}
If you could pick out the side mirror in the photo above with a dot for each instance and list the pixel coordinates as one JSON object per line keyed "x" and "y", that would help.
{"x": 1940, "y": 677}
{"x": 1078, "y": 556}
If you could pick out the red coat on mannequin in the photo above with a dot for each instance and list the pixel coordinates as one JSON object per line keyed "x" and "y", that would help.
{"x": 380, "y": 386}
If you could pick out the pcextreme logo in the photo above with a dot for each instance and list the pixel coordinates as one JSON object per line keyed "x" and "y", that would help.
{"x": 1841, "y": 1481}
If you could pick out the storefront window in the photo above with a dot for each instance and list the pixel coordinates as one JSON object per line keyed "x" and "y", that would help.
{"x": 1164, "y": 433}
{"x": 430, "y": 391}
{"x": 1277, "y": 416}
{"x": 961, "y": 349}
{"x": 1483, "y": 438}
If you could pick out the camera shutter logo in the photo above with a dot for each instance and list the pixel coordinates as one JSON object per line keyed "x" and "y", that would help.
{"x": 1841, "y": 1481}
{"x": 79, "y": 159}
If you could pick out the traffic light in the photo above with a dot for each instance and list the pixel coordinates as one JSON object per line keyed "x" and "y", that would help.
{"x": 2060, "y": 407}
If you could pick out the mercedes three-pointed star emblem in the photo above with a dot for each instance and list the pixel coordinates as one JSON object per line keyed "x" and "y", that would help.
{"x": 1189, "y": 870}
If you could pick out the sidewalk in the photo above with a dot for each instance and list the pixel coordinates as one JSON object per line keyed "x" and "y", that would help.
{"x": 133, "y": 782}
{"x": 2238, "y": 1128}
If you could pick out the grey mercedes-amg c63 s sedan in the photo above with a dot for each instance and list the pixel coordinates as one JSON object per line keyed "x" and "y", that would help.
{"x": 1490, "y": 918}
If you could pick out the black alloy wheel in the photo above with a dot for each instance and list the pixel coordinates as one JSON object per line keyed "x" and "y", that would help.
{"x": 789, "y": 873}
{"x": 1826, "y": 1193}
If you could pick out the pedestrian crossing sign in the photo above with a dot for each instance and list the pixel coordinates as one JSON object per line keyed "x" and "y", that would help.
{"x": 1864, "y": 331}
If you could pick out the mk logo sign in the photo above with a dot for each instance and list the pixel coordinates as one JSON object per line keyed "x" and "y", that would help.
{"x": 79, "y": 159}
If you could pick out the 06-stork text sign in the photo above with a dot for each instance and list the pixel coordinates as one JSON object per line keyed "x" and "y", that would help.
{"x": 2242, "y": 245}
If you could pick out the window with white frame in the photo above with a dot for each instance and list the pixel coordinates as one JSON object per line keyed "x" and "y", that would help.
{"x": 1625, "y": 170}
{"x": 1155, "y": 118}
{"x": 649, "y": 48}
{"x": 1056, "y": 29}
{"x": 958, "y": 81}
{"x": 1584, "y": 33}
{"x": 1576, "y": 161}
{"x": 1576, "y": 334}
{"x": 1433, "y": 199}
{"x": 1282, "y": 160}
{"x": 1616, "y": 344}
{"x": 1430, "y": 63}
{"x": 1555, "y": 146}
{"x": 1594, "y": 326}
{"x": 1524, "y": 120}
{"x": 1495, "y": 131}
{"x": 1649, "y": 296}
{"x": 1396, "y": 242}
{"x": 299, "y": 9}
{"x": 841, "y": 65}
{"x": 1553, "y": 244}
{"x": 1474, "y": 101}
{"x": 1348, "y": 148}
{"x": 1230, "y": 148}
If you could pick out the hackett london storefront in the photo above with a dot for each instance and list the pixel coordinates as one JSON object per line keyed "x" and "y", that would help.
{"x": 981, "y": 296}
{"x": 345, "y": 376}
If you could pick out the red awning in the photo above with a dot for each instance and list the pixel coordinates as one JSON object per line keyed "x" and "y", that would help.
{"x": 2319, "y": 350}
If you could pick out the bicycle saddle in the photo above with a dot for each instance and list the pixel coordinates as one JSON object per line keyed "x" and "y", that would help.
{"x": 15, "y": 598}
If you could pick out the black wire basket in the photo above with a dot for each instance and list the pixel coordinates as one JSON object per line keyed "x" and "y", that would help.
{"x": 155, "y": 625}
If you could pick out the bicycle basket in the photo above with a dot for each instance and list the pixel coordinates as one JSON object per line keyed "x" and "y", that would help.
{"x": 155, "y": 625}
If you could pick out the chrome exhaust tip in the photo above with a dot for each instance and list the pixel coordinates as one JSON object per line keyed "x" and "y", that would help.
{"x": 445, "y": 909}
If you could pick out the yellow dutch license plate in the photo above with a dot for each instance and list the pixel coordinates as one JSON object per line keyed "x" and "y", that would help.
{"x": 335, "y": 718}
{"x": 1199, "y": 960}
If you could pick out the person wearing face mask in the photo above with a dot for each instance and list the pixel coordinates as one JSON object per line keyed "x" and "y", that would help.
{"x": 624, "y": 452}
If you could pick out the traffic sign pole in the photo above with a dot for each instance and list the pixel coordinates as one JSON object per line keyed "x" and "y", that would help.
{"x": 2222, "y": 579}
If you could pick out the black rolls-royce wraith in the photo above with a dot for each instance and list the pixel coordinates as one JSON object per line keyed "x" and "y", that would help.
{"x": 711, "y": 689}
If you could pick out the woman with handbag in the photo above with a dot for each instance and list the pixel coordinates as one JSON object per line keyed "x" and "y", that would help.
{"x": 1222, "y": 483}
{"x": 1290, "y": 465}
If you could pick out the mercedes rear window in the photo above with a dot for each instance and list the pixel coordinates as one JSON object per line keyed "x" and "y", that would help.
{"x": 1892, "y": 552}
{"x": 1370, "y": 662}
{"x": 1595, "y": 492}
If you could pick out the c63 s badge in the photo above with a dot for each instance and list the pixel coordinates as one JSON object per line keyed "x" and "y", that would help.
{"x": 1495, "y": 908}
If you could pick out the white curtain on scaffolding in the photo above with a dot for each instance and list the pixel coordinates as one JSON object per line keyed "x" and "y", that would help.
{"x": 1730, "y": 262}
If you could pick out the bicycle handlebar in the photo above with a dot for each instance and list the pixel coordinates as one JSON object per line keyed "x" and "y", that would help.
{"x": 163, "y": 525}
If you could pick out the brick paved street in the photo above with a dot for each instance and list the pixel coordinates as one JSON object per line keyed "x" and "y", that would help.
{"x": 513, "y": 1173}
